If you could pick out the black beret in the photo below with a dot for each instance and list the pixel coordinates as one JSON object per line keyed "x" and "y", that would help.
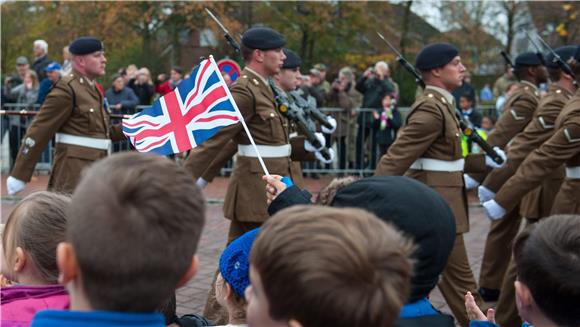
{"x": 565, "y": 53}
{"x": 416, "y": 210}
{"x": 292, "y": 59}
{"x": 435, "y": 55}
{"x": 263, "y": 38}
{"x": 85, "y": 45}
{"x": 527, "y": 59}
{"x": 577, "y": 54}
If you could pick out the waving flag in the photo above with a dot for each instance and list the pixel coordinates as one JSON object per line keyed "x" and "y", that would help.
{"x": 184, "y": 118}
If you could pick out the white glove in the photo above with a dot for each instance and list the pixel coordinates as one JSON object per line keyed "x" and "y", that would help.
{"x": 310, "y": 148}
{"x": 320, "y": 158}
{"x": 470, "y": 183}
{"x": 14, "y": 185}
{"x": 493, "y": 210}
{"x": 202, "y": 183}
{"x": 489, "y": 161}
{"x": 484, "y": 194}
{"x": 332, "y": 122}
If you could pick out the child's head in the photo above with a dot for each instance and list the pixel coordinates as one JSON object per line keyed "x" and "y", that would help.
{"x": 465, "y": 101}
{"x": 548, "y": 263}
{"x": 234, "y": 275}
{"x": 321, "y": 266}
{"x": 135, "y": 222}
{"x": 33, "y": 230}
{"x": 487, "y": 123}
{"x": 387, "y": 99}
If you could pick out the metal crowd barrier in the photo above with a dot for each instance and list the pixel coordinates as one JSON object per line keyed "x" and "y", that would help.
{"x": 354, "y": 142}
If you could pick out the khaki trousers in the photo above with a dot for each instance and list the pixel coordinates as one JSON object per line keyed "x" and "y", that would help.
{"x": 456, "y": 280}
{"x": 498, "y": 249}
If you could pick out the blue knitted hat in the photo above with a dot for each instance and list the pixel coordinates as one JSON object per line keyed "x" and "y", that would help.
{"x": 235, "y": 262}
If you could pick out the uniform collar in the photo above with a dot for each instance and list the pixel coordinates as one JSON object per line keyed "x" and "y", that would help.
{"x": 534, "y": 87}
{"x": 258, "y": 75}
{"x": 446, "y": 94}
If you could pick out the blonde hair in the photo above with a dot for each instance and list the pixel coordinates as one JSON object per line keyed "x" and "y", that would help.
{"x": 37, "y": 224}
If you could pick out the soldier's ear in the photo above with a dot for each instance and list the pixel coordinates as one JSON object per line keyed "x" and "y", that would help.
{"x": 258, "y": 55}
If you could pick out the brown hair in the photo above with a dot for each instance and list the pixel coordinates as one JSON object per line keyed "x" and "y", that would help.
{"x": 246, "y": 53}
{"x": 332, "y": 267}
{"x": 327, "y": 194}
{"x": 37, "y": 224}
{"x": 547, "y": 258}
{"x": 135, "y": 222}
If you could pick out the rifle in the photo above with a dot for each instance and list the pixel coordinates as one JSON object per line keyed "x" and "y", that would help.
{"x": 539, "y": 52}
{"x": 227, "y": 35}
{"x": 463, "y": 124}
{"x": 557, "y": 59}
{"x": 305, "y": 125}
{"x": 310, "y": 109}
{"x": 507, "y": 58}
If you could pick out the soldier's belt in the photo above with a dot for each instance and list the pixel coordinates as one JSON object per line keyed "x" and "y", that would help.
{"x": 87, "y": 142}
{"x": 573, "y": 172}
{"x": 438, "y": 165}
{"x": 266, "y": 151}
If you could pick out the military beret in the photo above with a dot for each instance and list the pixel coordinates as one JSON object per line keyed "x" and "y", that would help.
{"x": 527, "y": 59}
{"x": 435, "y": 55}
{"x": 565, "y": 53}
{"x": 263, "y": 38}
{"x": 292, "y": 59}
{"x": 577, "y": 54}
{"x": 85, "y": 45}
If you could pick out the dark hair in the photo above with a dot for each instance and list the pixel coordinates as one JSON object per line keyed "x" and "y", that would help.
{"x": 38, "y": 224}
{"x": 246, "y": 53}
{"x": 178, "y": 69}
{"x": 135, "y": 222}
{"x": 467, "y": 97}
{"x": 332, "y": 267}
{"x": 547, "y": 258}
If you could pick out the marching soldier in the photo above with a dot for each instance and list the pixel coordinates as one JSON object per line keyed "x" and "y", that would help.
{"x": 428, "y": 149}
{"x": 74, "y": 114}
{"x": 563, "y": 147}
{"x": 519, "y": 110}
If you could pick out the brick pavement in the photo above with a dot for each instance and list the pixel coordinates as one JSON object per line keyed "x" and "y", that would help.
{"x": 191, "y": 298}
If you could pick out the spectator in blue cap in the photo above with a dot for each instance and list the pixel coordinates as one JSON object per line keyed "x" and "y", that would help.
{"x": 53, "y": 74}
{"x": 234, "y": 277}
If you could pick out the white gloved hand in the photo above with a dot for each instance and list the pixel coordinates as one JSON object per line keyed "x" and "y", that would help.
{"x": 310, "y": 148}
{"x": 484, "y": 194}
{"x": 320, "y": 158}
{"x": 493, "y": 210}
{"x": 202, "y": 183}
{"x": 470, "y": 183}
{"x": 14, "y": 185}
{"x": 332, "y": 122}
{"x": 489, "y": 161}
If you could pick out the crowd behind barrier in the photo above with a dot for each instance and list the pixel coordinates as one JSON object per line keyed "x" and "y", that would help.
{"x": 22, "y": 114}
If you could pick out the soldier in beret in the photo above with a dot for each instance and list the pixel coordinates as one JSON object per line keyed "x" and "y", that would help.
{"x": 74, "y": 114}
{"x": 428, "y": 149}
{"x": 518, "y": 112}
{"x": 560, "y": 134}
{"x": 245, "y": 202}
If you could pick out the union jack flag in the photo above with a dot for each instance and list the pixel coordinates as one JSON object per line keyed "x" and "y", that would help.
{"x": 184, "y": 118}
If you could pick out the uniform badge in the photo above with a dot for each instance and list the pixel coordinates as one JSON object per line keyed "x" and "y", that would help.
{"x": 255, "y": 82}
{"x": 29, "y": 142}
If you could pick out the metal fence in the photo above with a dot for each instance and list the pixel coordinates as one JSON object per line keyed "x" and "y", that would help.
{"x": 356, "y": 142}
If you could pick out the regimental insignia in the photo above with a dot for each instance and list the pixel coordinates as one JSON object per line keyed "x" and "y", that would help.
{"x": 430, "y": 95}
{"x": 28, "y": 143}
{"x": 536, "y": 93}
{"x": 255, "y": 82}
{"x": 515, "y": 115}
{"x": 443, "y": 100}
{"x": 558, "y": 91}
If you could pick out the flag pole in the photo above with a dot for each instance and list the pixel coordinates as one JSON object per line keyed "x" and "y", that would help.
{"x": 239, "y": 113}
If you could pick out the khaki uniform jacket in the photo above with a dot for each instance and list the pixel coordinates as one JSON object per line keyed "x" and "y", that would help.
{"x": 518, "y": 112}
{"x": 562, "y": 148}
{"x": 245, "y": 199}
{"x": 537, "y": 203}
{"x": 431, "y": 131}
{"x": 74, "y": 107}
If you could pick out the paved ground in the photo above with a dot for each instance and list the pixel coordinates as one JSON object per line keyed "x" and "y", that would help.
{"x": 192, "y": 297}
